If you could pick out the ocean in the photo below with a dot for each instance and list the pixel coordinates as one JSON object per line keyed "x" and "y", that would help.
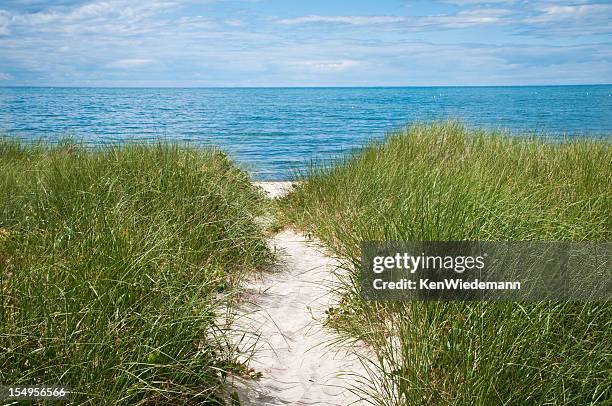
{"x": 273, "y": 132}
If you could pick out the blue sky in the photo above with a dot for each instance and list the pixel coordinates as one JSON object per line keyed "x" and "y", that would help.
{"x": 304, "y": 43}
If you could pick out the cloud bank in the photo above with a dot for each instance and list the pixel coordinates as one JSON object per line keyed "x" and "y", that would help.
{"x": 272, "y": 43}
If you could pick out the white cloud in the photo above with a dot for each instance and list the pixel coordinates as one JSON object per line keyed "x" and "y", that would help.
{"x": 326, "y": 66}
{"x": 569, "y": 20}
{"x": 462, "y": 19}
{"x": 195, "y": 20}
{"x": 558, "y": 13}
{"x": 579, "y": 19}
{"x": 130, "y": 63}
{"x": 233, "y": 22}
{"x": 116, "y": 16}
{"x": 352, "y": 20}
{"x": 5, "y": 19}
{"x": 468, "y": 18}
{"x": 5, "y": 76}
{"x": 472, "y": 2}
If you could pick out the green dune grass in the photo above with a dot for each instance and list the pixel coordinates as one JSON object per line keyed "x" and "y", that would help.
{"x": 443, "y": 182}
{"x": 113, "y": 264}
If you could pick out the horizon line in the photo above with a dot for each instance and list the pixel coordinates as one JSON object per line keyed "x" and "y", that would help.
{"x": 292, "y": 87}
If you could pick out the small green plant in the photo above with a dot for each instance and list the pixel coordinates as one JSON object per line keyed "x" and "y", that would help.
{"x": 443, "y": 182}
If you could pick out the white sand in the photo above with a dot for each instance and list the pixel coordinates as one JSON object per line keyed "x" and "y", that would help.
{"x": 275, "y": 189}
{"x": 283, "y": 314}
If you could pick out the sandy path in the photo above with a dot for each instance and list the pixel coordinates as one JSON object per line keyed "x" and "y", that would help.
{"x": 283, "y": 315}
{"x": 274, "y": 189}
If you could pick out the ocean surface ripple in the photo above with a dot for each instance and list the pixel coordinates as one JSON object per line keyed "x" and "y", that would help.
{"x": 275, "y": 131}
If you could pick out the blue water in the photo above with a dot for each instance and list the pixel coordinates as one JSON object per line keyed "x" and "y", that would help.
{"x": 273, "y": 131}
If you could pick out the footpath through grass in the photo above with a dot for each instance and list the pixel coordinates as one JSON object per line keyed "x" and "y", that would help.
{"x": 112, "y": 265}
{"x": 442, "y": 182}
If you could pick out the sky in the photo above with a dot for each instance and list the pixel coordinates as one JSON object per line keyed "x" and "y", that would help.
{"x": 210, "y": 43}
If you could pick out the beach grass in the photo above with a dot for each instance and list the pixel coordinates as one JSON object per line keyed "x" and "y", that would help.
{"x": 113, "y": 265}
{"x": 442, "y": 182}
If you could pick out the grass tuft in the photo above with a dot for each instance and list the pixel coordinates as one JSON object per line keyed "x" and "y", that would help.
{"x": 113, "y": 264}
{"x": 441, "y": 182}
